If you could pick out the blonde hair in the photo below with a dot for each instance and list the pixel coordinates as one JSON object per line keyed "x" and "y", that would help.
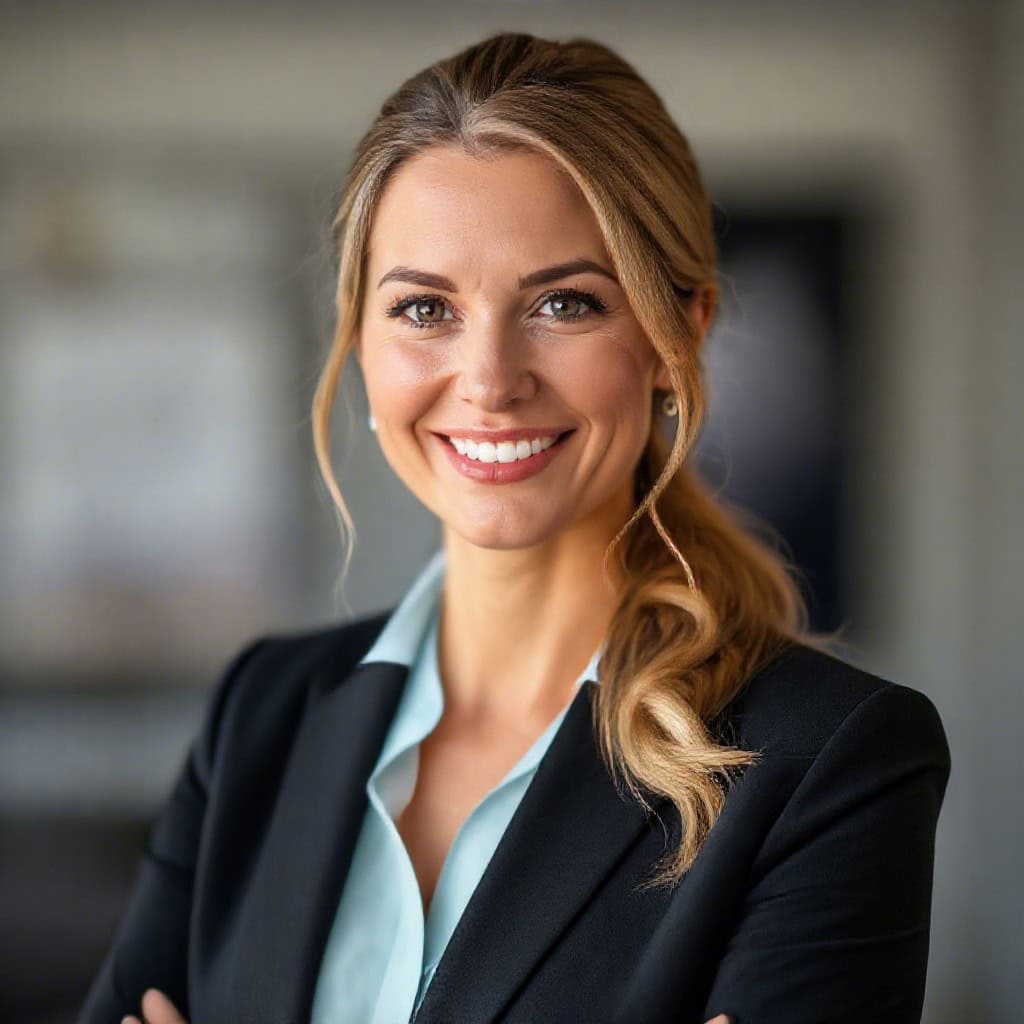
{"x": 675, "y": 654}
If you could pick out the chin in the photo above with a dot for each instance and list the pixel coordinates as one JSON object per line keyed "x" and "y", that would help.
{"x": 507, "y": 532}
{"x": 502, "y": 539}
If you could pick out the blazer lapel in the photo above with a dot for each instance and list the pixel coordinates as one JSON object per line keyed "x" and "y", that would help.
{"x": 566, "y": 836}
{"x": 318, "y": 814}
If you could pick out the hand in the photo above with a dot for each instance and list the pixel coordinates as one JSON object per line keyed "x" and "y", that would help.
{"x": 158, "y": 1009}
{"x": 722, "y": 1018}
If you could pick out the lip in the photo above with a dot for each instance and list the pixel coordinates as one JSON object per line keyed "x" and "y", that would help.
{"x": 502, "y": 472}
{"x": 494, "y": 436}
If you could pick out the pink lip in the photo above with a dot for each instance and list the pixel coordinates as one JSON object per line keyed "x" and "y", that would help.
{"x": 500, "y": 472}
{"x": 494, "y": 436}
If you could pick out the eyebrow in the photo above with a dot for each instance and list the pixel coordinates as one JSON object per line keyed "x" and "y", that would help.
{"x": 410, "y": 275}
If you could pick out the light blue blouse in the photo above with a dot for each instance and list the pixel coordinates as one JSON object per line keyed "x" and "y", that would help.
{"x": 382, "y": 951}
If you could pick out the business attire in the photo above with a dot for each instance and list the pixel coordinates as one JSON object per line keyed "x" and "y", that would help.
{"x": 810, "y": 900}
{"x": 382, "y": 950}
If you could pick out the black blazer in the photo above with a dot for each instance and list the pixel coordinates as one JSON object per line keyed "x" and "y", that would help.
{"x": 809, "y": 902}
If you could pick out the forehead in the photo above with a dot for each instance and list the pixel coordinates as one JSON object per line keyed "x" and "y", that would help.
{"x": 514, "y": 202}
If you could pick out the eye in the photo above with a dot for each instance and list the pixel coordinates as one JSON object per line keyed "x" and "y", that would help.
{"x": 421, "y": 310}
{"x": 427, "y": 311}
{"x": 565, "y": 305}
{"x": 569, "y": 305}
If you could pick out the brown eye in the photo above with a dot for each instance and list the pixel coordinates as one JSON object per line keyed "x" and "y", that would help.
{"x": 569, "y": 305}
{"x": 426, "y": 311}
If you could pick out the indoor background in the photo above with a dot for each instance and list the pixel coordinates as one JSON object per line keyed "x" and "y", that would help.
{"x": 167, "y": 174}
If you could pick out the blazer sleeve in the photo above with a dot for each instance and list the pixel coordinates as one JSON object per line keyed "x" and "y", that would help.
{"x": 836, "y": 920}
{"x": 150, "y": 947}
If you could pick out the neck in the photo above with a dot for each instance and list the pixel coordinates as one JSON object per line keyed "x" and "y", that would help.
{"x": 519, "y": 626}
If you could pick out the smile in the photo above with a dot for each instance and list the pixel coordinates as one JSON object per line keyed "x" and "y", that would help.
{"x": 502, "y": 461}
{"x": 503, "y": 451}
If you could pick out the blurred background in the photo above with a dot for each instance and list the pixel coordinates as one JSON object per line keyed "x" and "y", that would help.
{"x": 167, "y": 176}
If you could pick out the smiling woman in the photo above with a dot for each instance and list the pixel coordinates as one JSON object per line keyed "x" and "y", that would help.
{"x": 502, "y": 353}
{"x": 592, "y": 768}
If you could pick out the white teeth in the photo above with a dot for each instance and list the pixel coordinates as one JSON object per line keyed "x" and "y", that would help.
{"x": 506, "y": 451}
{"x": 503, "y": 451}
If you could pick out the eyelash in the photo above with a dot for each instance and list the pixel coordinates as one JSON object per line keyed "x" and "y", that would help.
{"x": 589, "y": 299}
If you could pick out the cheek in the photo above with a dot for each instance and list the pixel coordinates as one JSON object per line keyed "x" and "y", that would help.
{"x": 401, "y": 378}
{"x": 611, "y": 385}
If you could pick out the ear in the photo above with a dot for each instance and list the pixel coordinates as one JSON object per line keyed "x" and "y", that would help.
{"x": 662, "y": 381}
{"x": 702, "y": 310}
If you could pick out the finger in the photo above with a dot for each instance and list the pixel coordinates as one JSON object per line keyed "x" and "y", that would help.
{"x": 158, "y": 1009}
{"x": 130, "y": 1020}
{"x": 722, "y": 1018}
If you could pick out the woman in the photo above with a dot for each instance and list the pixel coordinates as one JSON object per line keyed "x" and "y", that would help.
{"x": 592, "y": 768}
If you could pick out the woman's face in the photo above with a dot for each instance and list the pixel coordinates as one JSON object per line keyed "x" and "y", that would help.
{"x": 509, "y": 378}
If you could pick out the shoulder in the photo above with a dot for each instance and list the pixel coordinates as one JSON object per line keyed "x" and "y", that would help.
{"x": 261, "y": 693}
{"x": 293, "y": 655}
{"x": 798, "y": 704}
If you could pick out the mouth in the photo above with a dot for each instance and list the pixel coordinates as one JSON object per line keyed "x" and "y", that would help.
{"x": 505, "y": 458}
{"x": 505, "y": 451}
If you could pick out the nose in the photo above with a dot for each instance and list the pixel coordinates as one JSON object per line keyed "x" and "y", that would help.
{"x": 493, "y": 370}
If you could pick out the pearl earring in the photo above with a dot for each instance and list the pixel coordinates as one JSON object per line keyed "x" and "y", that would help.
{"x": 372, "y": 422}
{"x": 670, "y": 404}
